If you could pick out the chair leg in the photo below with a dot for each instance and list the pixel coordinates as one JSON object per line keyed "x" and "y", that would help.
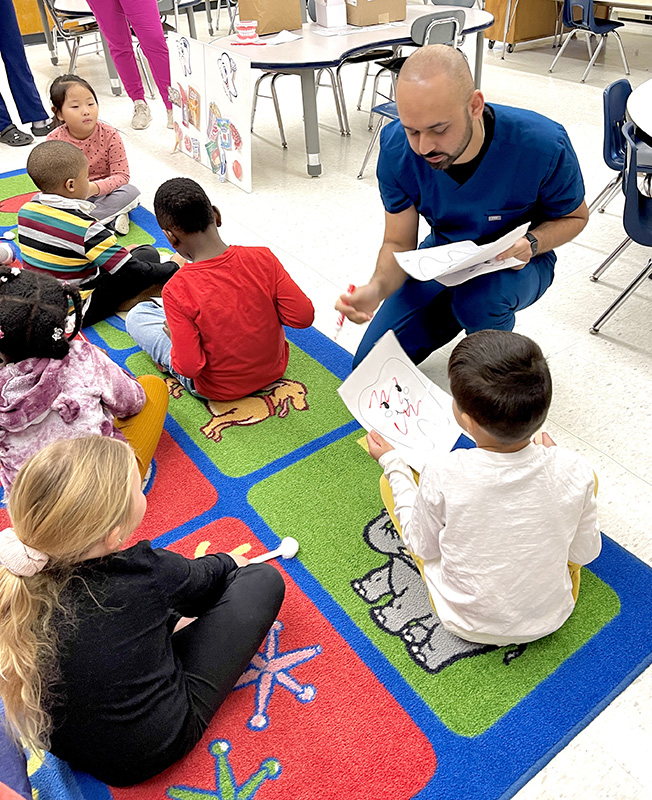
{"x": 587, "y": 39}
{"x": 340, "y": 89}
{"x": 191, "y": 22}
{"x": 277, "y": 109}
{"x": 611, "y": 258}
{"x": 144, "y": 68}
{"x": 374, "y": 96}
{"x": 642, "y": 275}
{"x": 596, "y": 53}
{"x": 255, "y": 100}
{"x": 337, "y": 99}
{"x": 374, "y": 139}
{"x": 561, "y": 49}
{"x": 622, "y": 51}
{"x": 209, "y": 16}
{"x": 364, "y": 86}
{"x": 609, "y": 191}
{"x": 73, "y": 56}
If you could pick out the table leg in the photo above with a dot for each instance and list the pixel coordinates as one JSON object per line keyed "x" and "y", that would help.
{"x": 45, "y": 22}
{"x": 310, "y": 122}
{"x": 114, "y": 79}
{"x": 479, "y": 57}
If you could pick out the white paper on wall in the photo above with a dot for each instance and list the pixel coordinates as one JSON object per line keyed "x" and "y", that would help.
{"x": 387, "y": 393}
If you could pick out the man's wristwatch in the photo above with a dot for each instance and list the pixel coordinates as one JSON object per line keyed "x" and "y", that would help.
{"x": 534, "y": 243}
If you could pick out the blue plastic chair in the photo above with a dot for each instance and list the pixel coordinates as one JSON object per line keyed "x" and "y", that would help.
{"x": 637, "y": 219}
{"x": 442, "y": 27}
{"x": 589, "y": 25}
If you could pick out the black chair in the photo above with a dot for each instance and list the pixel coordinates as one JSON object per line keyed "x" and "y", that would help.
{"x": 589, "y": 25}
{"x": 637, "y": 219}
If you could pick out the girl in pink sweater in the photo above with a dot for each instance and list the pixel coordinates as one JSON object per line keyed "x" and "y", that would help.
{"x": 74, "y": 104}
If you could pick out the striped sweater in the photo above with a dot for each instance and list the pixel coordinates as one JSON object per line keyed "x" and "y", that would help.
{"x": 58, "y": 236}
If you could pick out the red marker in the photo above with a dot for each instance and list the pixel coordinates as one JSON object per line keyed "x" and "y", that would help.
{"x": 342, "y": 317}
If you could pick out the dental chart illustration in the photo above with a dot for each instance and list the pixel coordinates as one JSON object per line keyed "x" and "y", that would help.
{"x": 387, "y": 393}
{"x": 211, "y": 97}
{"x": 455, "y": 263}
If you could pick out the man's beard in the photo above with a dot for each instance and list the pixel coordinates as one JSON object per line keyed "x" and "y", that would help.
{"x": 450, "y": 158}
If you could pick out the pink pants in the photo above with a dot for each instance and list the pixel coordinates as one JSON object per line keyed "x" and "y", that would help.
{"x": 114, "y": 18}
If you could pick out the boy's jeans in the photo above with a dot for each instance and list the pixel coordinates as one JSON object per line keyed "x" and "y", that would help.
{"x": 145, "y": 326}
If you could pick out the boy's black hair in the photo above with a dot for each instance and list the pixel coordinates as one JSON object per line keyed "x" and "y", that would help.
{"x": 502, "y": 381}
{"x": 60, "y": 86}
{"x": 181, "y": 204}
{"x": 51, "y": 164}
{"x": 33, "y": 311}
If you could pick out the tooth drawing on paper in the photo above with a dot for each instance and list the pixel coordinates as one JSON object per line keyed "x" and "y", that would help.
{"x": 387, "y": 393}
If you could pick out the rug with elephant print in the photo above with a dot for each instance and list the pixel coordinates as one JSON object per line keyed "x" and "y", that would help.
{"x": 358, "y": 691}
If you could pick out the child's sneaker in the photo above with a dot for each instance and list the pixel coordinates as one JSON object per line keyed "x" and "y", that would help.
{"x": 121, "y": 224}
{"x": 142, "y": 116}
{"x": 170, "y": 119}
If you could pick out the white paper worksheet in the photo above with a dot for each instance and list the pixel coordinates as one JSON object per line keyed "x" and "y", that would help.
{"x": 387, "y": 393}
{"x": 455, "y": 263}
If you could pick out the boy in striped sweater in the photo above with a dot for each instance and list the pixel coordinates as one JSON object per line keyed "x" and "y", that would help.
{"x": 57, "y": 235}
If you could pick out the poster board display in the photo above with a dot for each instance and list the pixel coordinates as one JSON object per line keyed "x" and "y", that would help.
{"x": 211, "y": 97}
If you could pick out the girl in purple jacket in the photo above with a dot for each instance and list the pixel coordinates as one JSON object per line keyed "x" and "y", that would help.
{"x": 55, "y": 386}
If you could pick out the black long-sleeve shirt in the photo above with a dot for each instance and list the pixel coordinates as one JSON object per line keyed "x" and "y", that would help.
{"x": 121, "y": 691}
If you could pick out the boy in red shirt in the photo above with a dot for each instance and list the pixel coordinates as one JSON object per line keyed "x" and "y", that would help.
{"x": 220, "y": 329}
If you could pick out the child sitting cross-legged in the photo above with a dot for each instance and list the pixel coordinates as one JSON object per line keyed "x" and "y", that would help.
{"x": 74, "y": 104}
{"x": 220, "y": 329}
{"x": 121, "y": 657}
{"x": 499, "y": 531}
{"x": 54, "y": 386}
{"x": 59, "y": 236}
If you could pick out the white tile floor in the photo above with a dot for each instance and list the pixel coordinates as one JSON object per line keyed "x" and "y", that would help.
{"x": 327, "y": 232}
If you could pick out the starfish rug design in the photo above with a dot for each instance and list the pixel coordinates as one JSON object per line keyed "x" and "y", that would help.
{"x": 270, "y": 668}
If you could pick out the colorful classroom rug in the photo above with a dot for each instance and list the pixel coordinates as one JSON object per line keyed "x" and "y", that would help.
{"x": 357, "y": 692}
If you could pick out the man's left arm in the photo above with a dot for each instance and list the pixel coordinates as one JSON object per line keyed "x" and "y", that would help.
{"x": 549, "y": 234}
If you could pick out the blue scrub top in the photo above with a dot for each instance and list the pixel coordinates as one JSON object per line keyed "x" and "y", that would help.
{"x": 529, "y": 173}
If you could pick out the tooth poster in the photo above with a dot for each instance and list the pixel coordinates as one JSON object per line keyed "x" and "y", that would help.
{"x": 211, "y": 98}
{"x": 387, "y": 393}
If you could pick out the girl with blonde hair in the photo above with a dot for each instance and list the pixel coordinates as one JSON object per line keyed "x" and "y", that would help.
{"x": 91, "y": 666}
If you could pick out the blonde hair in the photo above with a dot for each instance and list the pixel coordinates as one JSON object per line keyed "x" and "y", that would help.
{"x": 65, "y": 499}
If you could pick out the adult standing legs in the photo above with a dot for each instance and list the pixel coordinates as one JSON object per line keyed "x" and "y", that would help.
{"x": 115, "y": 18}
{"x": 19, "y": 75}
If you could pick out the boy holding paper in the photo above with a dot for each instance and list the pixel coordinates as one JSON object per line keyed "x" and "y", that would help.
{"x": 498, "y": 531}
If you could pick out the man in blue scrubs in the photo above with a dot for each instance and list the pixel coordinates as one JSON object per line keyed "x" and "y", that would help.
{"x": 473, "y": 171}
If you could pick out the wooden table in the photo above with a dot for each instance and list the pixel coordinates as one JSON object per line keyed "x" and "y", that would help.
{"x": 314, "y": 51}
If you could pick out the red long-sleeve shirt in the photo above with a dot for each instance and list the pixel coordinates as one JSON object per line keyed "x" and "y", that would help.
{"x": 225, "y": 317}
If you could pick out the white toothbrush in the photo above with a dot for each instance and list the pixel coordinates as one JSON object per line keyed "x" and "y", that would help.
{"x": 288, "y": 548}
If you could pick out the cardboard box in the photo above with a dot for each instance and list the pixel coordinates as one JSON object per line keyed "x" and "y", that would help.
{"x": 330, "y": 13}
{"x": 272, "y": 15}
{"x": 375, "y": 12}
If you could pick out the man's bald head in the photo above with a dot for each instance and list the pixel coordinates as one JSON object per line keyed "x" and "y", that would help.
{"x": 435, "y": 62}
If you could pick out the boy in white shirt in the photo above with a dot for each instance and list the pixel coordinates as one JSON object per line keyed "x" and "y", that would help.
{"x": 498, "y": 531}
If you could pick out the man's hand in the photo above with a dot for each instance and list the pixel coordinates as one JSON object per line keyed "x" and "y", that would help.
{"x": 377, "y": 445}
{"x": 521, "y": 250}
{"x": 359, "y": 306}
